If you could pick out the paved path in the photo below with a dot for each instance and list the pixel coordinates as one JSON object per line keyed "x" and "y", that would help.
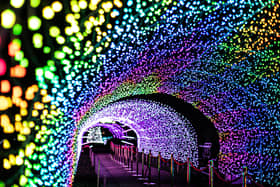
{"x": 118, "y": 174}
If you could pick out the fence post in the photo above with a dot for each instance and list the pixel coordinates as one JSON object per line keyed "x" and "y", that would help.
{"x": 98, "y": 173}
{"x": 149, "y": 165}
{"x": 188, "y": 171}
{"x": 131, "y": 158}
{"x": 143, "y": 157}
{"x": 211, "y": 181}
{"x": 159, "y": 167}
{"x": 137, "y": 167}
{"x": 244, "y": 180}
{"x": 172, "y": 169}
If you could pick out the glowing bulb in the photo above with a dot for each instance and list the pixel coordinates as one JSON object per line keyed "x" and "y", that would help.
{"x": 34, "y": 23}
{"x": 8, "y": 19}
{"x": 48, "y": 13}
{"x": 57, "y": 6}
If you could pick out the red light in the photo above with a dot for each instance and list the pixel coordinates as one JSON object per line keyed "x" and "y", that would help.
{"x": 3, "y": 67}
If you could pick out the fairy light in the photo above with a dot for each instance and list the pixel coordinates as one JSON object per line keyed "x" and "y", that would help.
{"x": 221, "y": 57}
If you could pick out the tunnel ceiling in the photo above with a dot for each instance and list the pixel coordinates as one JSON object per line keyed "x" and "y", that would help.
{"x": 63, "y": 61}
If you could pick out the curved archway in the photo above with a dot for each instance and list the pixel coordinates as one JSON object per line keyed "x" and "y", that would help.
{"x": 158, "y": 127}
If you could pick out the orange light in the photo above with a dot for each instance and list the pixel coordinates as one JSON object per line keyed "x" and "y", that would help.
{"x": 23, "y": 104}
{"x": 5, "y": 86}
{"x": 17, "y": 91}
{"x": 14, "y": 47}
{"x": 17, "y": 71}
{"x": 29, "y": 94}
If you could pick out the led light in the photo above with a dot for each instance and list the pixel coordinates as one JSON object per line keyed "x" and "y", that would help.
{"x": 48, "y": 13}
{"x": 54, "y": 31}
{"x": 8, "y": 19}
{"x": 3, "y": 67}
{"x": 6, "y": 144}
{"x": 57, "y": 6}
{"x": 34, "y": 23}
{"x": 35, "y": 3}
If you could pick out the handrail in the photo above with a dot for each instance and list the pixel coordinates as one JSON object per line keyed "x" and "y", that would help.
{"x": 116, "y": 149}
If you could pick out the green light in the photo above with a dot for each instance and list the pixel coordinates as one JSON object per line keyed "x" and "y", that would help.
{"x": 34, "y": 23}
{"x": 38, "y": 40}
{"x": 54, "y": 31}
{"x": 49, "y": 75}
{"x": 35, "y": 3}
{"x": 59, "y": 55}
{"x": 8, "y": 19}
{"x": 46, "y": 49}
{"x": 19, "y": 56}
{"x": 17, "y": 29}
{"x": 39, "y": 72}
{"x": 24, "y": 62}
{"x": 23, "y": 180}
{"x": 2, "y": 184}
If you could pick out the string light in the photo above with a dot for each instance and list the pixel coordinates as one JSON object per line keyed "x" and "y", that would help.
{"x": 222, "y": 57}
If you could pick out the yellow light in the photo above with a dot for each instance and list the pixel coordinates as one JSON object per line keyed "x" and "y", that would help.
{"x": 60, "y": 40}
{"x": 75, "y": 8}
{"x": 48, "y": 12}
{"x": 19, "y": 160}
{"x": 118, "y": 3}
{"x": 25, "y": 131}
{"x": 6, "y": 144}
{"x": 28, "y": 151}
{"x": 43, "y": 92}
{"x": 68, "y": 31}
{"x": 21, "y": 138}
{"x": 17, "y": 3}
{"x": 45, "y": 112}
{"x": 107, "y": 6}
{"x": 18, "y": 126}
{"x": 57, "y": 6}
{"x": 5, "y": 103}
{"x": 9, "y": 129}
{"x": 83, "y": 4}
{"x": 17, "y": 117}
{"x": 94, "y": 2}
{"x": 8, "y": 19}
{"x": 6, "y": 164}
{"x": 35, "y": 113}
{"x": 12, "y": 159}
{"x": 5, "y": 120}
{"x": 38, "y": 106}
{"x": 23, "y": 111}
{"x": 109, "y": 26}
{"x": 31, "y": 124}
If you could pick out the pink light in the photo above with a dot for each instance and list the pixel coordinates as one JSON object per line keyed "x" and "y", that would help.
{"x": 3, "y": 67}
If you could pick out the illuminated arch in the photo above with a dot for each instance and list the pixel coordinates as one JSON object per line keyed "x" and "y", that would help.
{"x": 158, "y": 127}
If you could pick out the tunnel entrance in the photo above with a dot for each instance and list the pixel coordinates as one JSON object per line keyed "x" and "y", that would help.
{"x": 208, "y": 138}
{"x": 99, "y": 137}
{"x": 162, "y": 123}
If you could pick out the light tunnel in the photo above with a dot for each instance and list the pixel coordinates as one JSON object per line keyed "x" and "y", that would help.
{"x": 158, "y": 128}
{"x": 64, "y": 63}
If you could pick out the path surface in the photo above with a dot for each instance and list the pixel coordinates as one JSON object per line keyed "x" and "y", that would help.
{"x": 115, "y": 174}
